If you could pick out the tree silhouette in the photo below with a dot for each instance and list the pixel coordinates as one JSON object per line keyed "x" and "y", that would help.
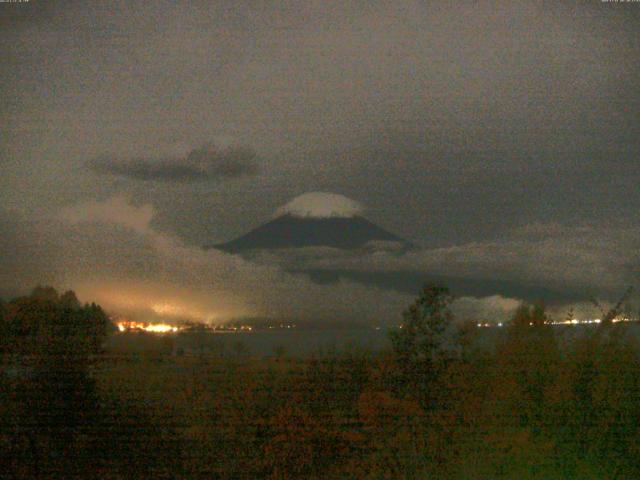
{"x": 610, "y": 314}
{"x": 420, "y": 338}
{"x": 419, "y": 344}
{"x": 50, "y": 340}
{"x": 529, "y": 315}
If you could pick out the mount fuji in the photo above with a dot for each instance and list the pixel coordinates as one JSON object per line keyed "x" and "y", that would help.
{"x": 314, "y": 220}
{"x": 328, "y": 221}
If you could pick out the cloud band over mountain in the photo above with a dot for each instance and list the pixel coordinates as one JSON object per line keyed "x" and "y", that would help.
{"x": 110, "y": 252}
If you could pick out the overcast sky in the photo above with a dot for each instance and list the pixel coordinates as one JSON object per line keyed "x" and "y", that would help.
{"x": 452, "y": 123}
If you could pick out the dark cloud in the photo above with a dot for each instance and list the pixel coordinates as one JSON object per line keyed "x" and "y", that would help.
{"x": 205, "y": 163}
{"x": 454, "y": 123}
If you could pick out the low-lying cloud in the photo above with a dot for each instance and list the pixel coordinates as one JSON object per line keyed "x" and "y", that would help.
{"x": 117, "y": 210}
{"x": 206, "y": 163}
{"x": 109, "y": 252}
{"x": 579, "y": 260}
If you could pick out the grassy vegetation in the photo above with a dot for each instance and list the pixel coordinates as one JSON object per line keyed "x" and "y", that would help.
{"x": 526, "y": 409}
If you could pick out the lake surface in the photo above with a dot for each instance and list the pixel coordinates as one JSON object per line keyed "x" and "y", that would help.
{"x": 293, "y": 342}
{"x": 305, "y": 343}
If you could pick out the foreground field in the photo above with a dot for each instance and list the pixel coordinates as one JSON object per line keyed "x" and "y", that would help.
{"x": 533, "y": 406}
{"x": 523, "y": 412}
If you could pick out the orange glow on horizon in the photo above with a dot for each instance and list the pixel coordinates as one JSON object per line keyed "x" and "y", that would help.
{"x": 130, "y": 325}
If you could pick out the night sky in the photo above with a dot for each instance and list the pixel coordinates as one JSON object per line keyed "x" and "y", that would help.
{"x": 503, "y": 138}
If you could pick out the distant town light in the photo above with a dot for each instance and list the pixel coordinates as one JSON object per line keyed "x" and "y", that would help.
{"x": 130, "y": 325}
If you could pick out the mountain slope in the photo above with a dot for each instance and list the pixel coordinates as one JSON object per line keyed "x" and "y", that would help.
{"x": 289, "y": 231}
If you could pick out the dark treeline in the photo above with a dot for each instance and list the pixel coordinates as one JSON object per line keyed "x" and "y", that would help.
{"x": 435, "y": 405}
